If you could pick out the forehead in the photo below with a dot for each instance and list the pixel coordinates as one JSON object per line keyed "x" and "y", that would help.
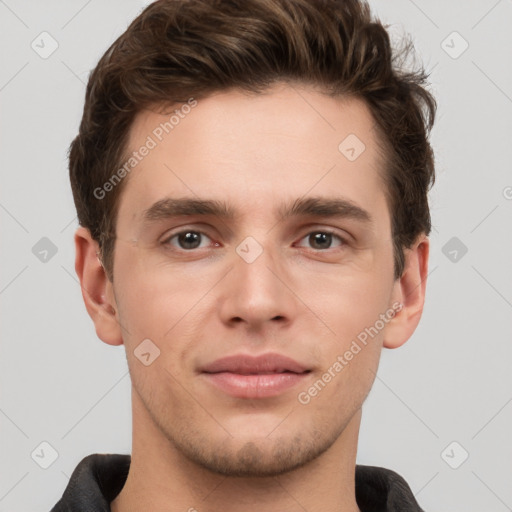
{"x": 251, "y": 149}
{"x": 293, "y": 111}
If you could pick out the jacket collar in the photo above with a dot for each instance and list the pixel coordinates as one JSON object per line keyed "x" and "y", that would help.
{"x": 99, "y": 478}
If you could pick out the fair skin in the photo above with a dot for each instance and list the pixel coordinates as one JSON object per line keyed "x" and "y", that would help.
{"x": 194, "y": 445}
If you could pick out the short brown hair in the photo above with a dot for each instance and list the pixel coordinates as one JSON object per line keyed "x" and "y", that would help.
{"x": 178, "y": 49}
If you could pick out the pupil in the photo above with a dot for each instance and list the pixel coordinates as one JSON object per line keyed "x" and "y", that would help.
{"x": 321, "y": 237}
{"x": 189, "y": 238}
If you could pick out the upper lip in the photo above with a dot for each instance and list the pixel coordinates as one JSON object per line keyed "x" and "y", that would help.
{"x": 245, "y": 364}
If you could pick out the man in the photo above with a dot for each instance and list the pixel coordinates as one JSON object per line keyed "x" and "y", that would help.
{"x": 251, "y": 181}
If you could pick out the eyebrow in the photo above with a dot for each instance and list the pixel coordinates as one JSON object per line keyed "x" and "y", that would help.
{"x": 318, "y": 206}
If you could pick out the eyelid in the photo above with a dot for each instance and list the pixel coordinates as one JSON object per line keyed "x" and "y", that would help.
{"x": 169, "y": 235}
{"x": 310, "y": 230}
{"x": 344, "y": 239}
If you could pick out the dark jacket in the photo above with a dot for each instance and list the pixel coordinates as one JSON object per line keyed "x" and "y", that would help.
{"x": 99, "y": 478}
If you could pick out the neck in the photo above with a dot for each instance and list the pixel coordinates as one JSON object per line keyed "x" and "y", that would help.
{"x": 161, "y": 478}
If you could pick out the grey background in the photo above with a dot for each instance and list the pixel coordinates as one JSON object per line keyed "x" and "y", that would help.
{"x": 451, "y": 382}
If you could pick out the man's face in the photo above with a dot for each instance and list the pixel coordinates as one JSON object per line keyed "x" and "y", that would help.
{"x": 304, "y": 286}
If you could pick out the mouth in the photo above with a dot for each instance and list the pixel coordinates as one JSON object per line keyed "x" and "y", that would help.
{"x": 259, "y": 385}
{"x": 244, "y": 376}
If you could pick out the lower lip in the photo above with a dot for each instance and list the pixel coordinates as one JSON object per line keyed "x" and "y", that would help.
{"x": 255, "y": 386}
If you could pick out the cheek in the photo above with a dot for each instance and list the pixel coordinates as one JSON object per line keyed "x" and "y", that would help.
{"x": 346, "y": 302}
{"x": 152, "y": 297}
{"x": 341, "y": 389}
{"x": 164, "y": 305}
{"x": 143, "y": 311}
{"x": 351, "y": 306}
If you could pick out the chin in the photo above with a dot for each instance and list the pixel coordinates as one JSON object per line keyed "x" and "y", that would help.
{"x": 256, "y": 456}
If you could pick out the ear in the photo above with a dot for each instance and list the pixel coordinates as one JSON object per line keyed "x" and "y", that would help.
{"x": 97, "y": 290}
{"x": 409, "y": 290}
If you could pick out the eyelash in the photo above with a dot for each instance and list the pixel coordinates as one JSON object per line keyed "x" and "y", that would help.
{"x": 166, "y": 241}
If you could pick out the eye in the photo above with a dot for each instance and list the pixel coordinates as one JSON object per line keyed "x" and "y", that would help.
{"x": 187, "y": 240}
{"x": 190, "y": 239}
{"x": 322, "y": 240}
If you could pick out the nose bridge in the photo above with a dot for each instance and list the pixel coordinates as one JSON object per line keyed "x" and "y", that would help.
{"x": 256, "y": 289}
{"x": 255, "y": 265}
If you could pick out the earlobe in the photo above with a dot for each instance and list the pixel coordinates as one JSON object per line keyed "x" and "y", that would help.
{"x": 97, "y": 290}
{"x": 409, "y": 290}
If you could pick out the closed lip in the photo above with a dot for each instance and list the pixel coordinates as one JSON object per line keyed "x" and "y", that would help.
{"x": 245, "y": 364}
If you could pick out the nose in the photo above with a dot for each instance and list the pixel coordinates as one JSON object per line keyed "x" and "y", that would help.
{"x": 257, "y": 292}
